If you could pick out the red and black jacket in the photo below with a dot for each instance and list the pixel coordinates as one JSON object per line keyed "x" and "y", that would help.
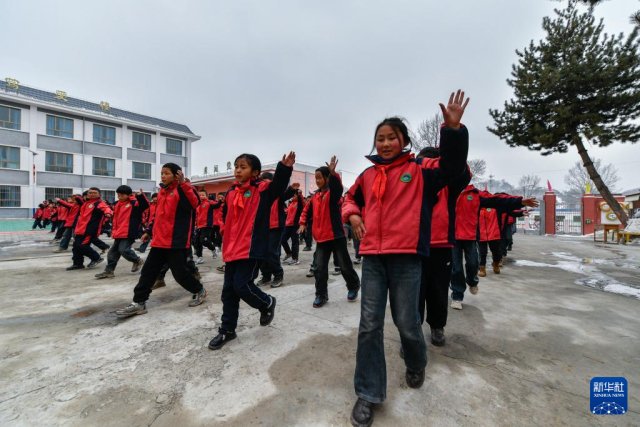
{"x": 90, "y": 217}
{"x": 38, "y": 213}
{"x": 279, "y": 210}
{"x": 74, "y": 210}
{"x": 46, "y": 212}
{"x": 323, "y": 211}
{"x": 294, "y": 211}
{"x": 395, "y": 198}
{"x": 127, "y": 217}
{"x": 205, "y": 214}
{"x": 443, "y": 222}
{"x": 172, "y": 223}
{"x": 218, "y": 220}
{"x": 247, "y": 214}
{"x": 63, "y": 211}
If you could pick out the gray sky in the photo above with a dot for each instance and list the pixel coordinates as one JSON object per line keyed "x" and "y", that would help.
{"x": 270, "y": 76}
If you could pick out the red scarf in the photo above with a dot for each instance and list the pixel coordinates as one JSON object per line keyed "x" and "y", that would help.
{"x": 380, "y": 181}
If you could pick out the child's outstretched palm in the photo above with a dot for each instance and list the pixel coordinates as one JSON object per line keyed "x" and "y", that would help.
{"x": 454, "y": 110}
{"x": 289, "y": 159}
{"x": 332, "y": 164}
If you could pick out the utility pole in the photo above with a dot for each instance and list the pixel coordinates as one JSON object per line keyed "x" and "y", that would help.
{"x": 490, "y": 182}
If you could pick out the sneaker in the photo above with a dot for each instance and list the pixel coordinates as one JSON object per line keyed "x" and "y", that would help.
{"x": 357, "y": 261}
{"x": 266, "y": 315}
{"x": 75, "y": 267}
{"x": 221, "y": 339}
{"x": 199, "y": 260}
{"x": 311, "y": 273}
{"x": 293, "y": 262}
{"x": 362, "y": 413}
{"x": 352, "y": 295}
{"x": 105, "y": 275}
{"x": 474, "y": 290}
{"x": 158, "y": 284}
{"x": 264, "y": 281}
{"x": 94, "y": 263}
{"x": 286, "y": 257}
{"x": 306, "y": 249}
{"x": 456, "y": 305}
{"x": 198, "y": 298}
{"x": 277, "y": 282}
{"x": 59, "y": 250}
{"x": 131, "y": 310}
{"x": 482, "y": 271}
{"x": 220, "y": 268}
{"x": 496, "y": 267}
{"x": 336, "y": 272}
{"x": 319, "y": 302}
{"x": 415, "y": 379}
{"x": 137, "y": 265}
{"x": 437, "y": 336}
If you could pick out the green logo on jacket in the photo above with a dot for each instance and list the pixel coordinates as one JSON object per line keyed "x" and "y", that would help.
{"x": 247, "y": 193}
{"x": 406, "y": 177}
{"x": 488, "y": 209}
{"x": 469, "y": 197}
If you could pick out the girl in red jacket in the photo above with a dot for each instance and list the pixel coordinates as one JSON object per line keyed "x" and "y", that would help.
{"x": 245, "y": 241}
{"x": 397, "y": 195}
{"x": 205, "y": 220}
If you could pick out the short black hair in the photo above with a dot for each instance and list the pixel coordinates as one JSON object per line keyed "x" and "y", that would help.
{"x": 94, "y": 189}
{"x": 173, "y": 167}
{"x": 324, "y": 170}
{"x": 252, "y": 159}
{"x": 154, "y": 195}
{"x": 267, "y": 175}
{"x": 124, "y": 189}
{"x": 429, "y": 152}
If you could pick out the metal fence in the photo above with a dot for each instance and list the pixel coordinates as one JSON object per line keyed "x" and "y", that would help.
{"x": 568, "y": 219}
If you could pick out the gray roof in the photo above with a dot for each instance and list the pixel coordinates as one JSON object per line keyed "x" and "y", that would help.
{"x": 80, "y": 104}
{"x": 631, "y": 192}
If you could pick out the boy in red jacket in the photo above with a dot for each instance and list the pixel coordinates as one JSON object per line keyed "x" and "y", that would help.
{"x": 88, "y": 227}
{"x": 292, "y": 223}
{"x": 72, "y": 204}
{"x": 127, "y": 216}
{"x": 171, "y": 230}
{"x": 205, "y": 214}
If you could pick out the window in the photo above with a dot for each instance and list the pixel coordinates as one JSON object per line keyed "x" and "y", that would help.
{"x": 104, "y": 167}
{"x": 9, "y": 117}
{"x": 174, "y": 146}
{"x": 9, "y": 157}
{"x": 50, "y": 193}
{"x": 58, "y": 162}
{"x": 104, "y": 134}
{"x": 10, "y": 196}
{"x": 108, "y": 195}
{"x": 59, "y": 126}
{"x": 141, "y": 170}
{"x": 141, "y": 141}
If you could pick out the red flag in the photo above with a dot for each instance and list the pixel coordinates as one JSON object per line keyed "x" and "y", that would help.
{"x": 549, "y": 186}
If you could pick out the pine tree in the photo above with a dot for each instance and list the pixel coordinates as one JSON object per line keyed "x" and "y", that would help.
{"x": 578, "y": 84}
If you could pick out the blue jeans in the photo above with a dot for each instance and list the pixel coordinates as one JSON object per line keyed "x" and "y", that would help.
{"x": 66, "y": 237}
{"x": 458, "y": 280}
{"x": 399, "y": 276}
{"x": 120, "y": 247}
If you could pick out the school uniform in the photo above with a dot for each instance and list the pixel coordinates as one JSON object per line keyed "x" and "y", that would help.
{"x": 292, "y": 224}
{"x": 127, "y": 218}
{"x": 271, "y": 266}
{"x": 88, "y": 228}
{"x": 205, "y": 213}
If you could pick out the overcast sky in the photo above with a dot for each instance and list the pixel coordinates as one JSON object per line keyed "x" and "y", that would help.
{"x": 313, "y": 76}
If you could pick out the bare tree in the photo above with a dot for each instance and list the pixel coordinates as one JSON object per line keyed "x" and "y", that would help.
{"x": 578, "y": 177}
{"x": 477, "y": 167}
{"x": 530, "y": 185}
{"x": 428, "y": 132}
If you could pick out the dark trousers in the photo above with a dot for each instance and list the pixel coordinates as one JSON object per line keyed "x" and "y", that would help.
{"x": 238, "y": 285}
{"x": 467, "y": 250}
{"x": 143, "y": 246}
{"x": 203, "y": 239}
{"x": 496, "y": 253}
{"x": 66, "y": 237}
{"x": 60, "y": 232}
{"x": 37, "y": 223}
{"x": 271, "y": 266}
{"x": 434, "y": 287}
{"x": 82, "y": 248}
{"x": 120, "y": 247}
{"x": 308, "y": 237}
{"x": 191, "y": 266}
{"x": 341, "y": 255}
{"x": 290, "y": 233}
{"x": 177, "y": 261}
{"x": 45, "y": 223}
{"x": 99, "y": 244}
{"x": 54, "y": 226}
{"x": 217, "y": 237}
{"x": 507, "y": 241}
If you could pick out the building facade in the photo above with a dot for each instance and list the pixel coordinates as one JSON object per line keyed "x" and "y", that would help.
{"x": 52, "y": 146}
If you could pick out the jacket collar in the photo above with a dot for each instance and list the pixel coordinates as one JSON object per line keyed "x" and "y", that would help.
{"x": 400, "y": 159}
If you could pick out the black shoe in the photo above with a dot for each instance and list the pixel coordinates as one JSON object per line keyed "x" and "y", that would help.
{"x": 311, "y": 273}
{"x": 266, "y": 315}
{"x": 362, "y": 413}
{"x": 319, "y": 302}
{"x": 437, "y": 336}
{"x": 414, "y": 379}
{"x": 306, "y": 249}
{"x": 264, "y": 281}
{"x": 221, "y": 339}
{"x": 94, "y": 263}
{"x": 277, "y": 282}
{"x": 336, "y": 272}
{"x": 75, "y": 267}
{"x": 352, "y": 295}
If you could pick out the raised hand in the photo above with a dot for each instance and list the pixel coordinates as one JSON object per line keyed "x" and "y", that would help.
{"x": 357, "y": 226}
{"x": 180, "y": 177}
{"x": 289, "y": 159}
{"x": 454, "y": 110}
{"x": 531, "y": 202}
{"x": 332, "y": 164}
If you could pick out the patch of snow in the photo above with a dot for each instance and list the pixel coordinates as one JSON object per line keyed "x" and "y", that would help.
{"x": 618, "y": 288}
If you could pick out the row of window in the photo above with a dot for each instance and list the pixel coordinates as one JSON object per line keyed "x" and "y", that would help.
{"x": 63, "y": 127}
{"x": 63, "y": 162}
{"x": 10, "y": 195}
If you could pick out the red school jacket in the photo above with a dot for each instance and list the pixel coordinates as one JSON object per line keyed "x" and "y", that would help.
{"x": 323, "y": 211}
{"x": 127, "y": 217}
{"x": 38, "y": 213}
{"x": 46, "y": 212}
{"x": 489, "y": 225}
{"x": 247, "y": 212}
{"x": 90, "y": 217}
{"x": 294, "y": 211}
{"x": 205, "y": 213}
{"x": 73, "y": 210}
{"x": 443, "y": 221}
{"x": 395, "y": 199}
{"x": 279, "y": 210}
{"x": 63, "y": 211}
{"x": 172, "y": 222}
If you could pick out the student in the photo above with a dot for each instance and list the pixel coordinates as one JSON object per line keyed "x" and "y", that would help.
{"x": 389, "y": 208}
{"x": 218, "y": 223}
{"x": 489, "y": 236}
{"x": 62, "y": 212}
{"x": 89, "y": 225}
{"x": 37, "y": 217}
{"x": 171, "y": 231}
{"x": 204, "y": 225}
{"x": 328, "y": 232}
{"x": 72, "y": 205}
{"x": 292, "y": 223}
{"x": 147, "y": 218}
{"x": 46, "y": 214}
{"x": 245, "y": 241}
{"x": 127, "y": 216}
